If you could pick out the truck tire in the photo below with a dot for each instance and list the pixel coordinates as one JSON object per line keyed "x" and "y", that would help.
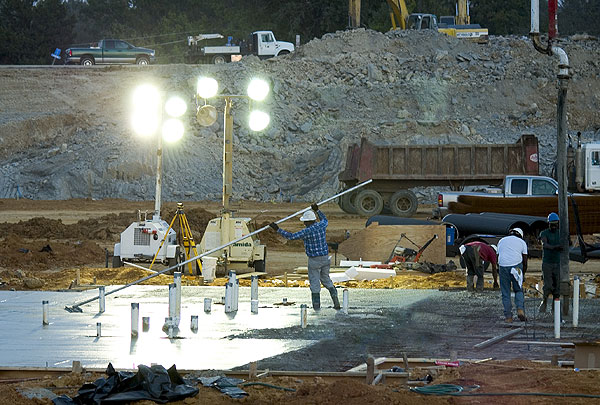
{"x": 283, "y": 53}
{"x": 368, "y": 203}
{"x": 218, "y": 59}
{"x": 404, "y": 203}
{"x": 142, "y": 60}
{"x": 346, "y": 203}
{"x": 86, "y": 61}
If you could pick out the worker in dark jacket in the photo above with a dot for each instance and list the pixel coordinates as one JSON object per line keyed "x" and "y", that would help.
{"x": 474, "y": 255}
{"x": 550, "y": 239}
{"x": 315, "y": 245}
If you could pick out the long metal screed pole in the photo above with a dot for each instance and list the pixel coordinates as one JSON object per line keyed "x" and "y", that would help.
{"x": 76, "y": 307}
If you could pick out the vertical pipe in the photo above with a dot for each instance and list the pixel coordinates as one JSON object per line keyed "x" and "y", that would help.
{"x": 98, "y": 329}
{"x": 557, "y": 318}
{"x": 207, "y": 304}
{"x": 303, "y": 316}
{"x": 177, "y": 282}
{"x": 194, "y": 323}
{"x": 159, "y": 158}
{"x": 576, "y": 302}
{"x": 106, "y": 258}
{"x": 101, "y": 299}
{"x": 254, "y": 306}
{"x": 145, "y": 323}
{"x": 561, "y": 170}
{"x": 135, "y": 319}
{"x": 227, "y": 153}
{"x": 535, "y": 16}
{"x": 229, "y": 295}
{"x": 236, "y": 292}
{"x": 45, "y": 313}
{"x": 172, "y": 300}
{"x": 254, "y": 288}
{"x": 345, "y": 301}
{"x": 78, "y": 277}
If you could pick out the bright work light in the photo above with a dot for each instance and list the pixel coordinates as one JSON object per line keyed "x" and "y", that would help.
{"x": 258, "y": 89}
{"x": 172, "y": 130}
{"x": 259, "y": 120}
{"x": 144, "y": 124}
{"x": 207, "y": 87}
{"x": 175, "y": 107}
{"x": 146, "y": 98}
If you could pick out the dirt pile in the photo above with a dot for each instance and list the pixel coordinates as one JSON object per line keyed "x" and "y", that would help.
{"x": 65, "y": 132}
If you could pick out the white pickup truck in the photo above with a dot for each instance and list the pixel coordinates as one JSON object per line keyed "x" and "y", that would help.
{"x": 513, "y": 186}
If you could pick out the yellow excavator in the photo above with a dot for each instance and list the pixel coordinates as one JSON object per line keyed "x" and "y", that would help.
{"x": 460, "y": 27}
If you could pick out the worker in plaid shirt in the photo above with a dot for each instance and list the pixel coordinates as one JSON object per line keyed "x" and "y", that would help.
{"x": 315, "y": 245}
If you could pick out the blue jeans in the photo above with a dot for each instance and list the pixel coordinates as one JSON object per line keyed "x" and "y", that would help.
{"x": 506, "y": 279}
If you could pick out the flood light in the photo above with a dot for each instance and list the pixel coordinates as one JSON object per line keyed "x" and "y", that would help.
{"x": 146, "y": 98}
{"x": 207, "y": 87}
{"x": 172, "y": 130}
{"x": 258, "y": 89}
{"x": 143, "y": 123}
{"x": 175, "y": 107}
{"x": 259, "y": 120}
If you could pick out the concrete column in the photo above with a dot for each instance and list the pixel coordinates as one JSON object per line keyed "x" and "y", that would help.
{"x": 101, "y": 299}
{"x": 177, "y": 282}
{"x": 254, "y": 288}
{"x": 576, "y": 301}
{"x": 207, "y": 304}
{"x": 303, "y": 316}
{"x": 45, "y": 320}
{"x": 135, "y": 319}
{"x": 557, "y": 318}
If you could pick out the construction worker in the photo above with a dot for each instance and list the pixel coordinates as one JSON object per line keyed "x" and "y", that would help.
{"x": 315, "y": 245}
{"x": 474, "y": 254}
{"x": 550, "y": 239}
{"x": 512, "y": 260}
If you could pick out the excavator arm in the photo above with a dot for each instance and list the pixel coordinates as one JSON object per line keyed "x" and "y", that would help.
{"x": 399, "y": 14}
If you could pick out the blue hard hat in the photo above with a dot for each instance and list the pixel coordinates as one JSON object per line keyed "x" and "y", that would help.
{"x": 553, "y": 217}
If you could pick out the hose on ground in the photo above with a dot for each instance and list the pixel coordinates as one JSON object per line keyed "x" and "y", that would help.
{"x": 277, "y": 387}
{"x": 457, "y": 390}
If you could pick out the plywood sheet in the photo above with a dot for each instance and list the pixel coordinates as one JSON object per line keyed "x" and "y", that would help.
{"x": 377, "y": 242}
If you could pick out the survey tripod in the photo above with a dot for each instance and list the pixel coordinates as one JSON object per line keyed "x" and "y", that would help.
{"x": 185, "y": 239}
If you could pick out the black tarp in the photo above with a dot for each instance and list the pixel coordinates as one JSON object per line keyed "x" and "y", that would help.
{"x": 153, "y": 383}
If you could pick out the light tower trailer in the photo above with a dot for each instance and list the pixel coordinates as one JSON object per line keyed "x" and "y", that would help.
{"x": 141, "y": 241}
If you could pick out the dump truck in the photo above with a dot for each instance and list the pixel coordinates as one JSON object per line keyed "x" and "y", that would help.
{"x": 397, "y": 168}
{"x": 260, "y": 43}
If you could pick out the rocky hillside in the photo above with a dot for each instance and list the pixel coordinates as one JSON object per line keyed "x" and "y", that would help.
{"x": 64, "y": 131}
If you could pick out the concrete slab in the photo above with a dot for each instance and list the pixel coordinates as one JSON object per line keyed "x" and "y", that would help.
{"x": 223, "y": 341}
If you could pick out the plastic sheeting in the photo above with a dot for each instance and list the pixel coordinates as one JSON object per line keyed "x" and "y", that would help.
{"x": 149, "y": 383}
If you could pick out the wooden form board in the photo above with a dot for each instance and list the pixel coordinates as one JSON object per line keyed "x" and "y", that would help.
{"x": 377, "y": 242}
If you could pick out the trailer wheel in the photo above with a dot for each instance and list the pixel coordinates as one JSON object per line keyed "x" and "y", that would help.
{"x": 368, "y": 202}
{"x": 218, "y": 59}
{"x": 346, "y": 203}
{"x": 142, "y": 60}
{"x": 404, "y": 203}
{"x": 87, "y": 61}
{"x": 117, "y": 262}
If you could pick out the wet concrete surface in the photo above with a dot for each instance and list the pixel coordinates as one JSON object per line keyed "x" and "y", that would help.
{"x": 421, "y": 323}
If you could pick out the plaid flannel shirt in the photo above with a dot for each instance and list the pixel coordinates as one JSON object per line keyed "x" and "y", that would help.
{"x": 315, "y": 243}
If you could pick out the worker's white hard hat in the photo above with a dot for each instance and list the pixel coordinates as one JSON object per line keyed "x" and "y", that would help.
{"x": 308, "y": 216}
{"x": 518, "y": 230}
{"x": 495, "y": 248}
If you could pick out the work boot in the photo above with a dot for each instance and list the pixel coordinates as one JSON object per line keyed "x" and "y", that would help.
{"x": 543, "y": 305}
{"x": 334, "y": 297}
{"x": 470, "y": 283}
{"x": 508, "y": 320}
{"x": 316, "y": 301}
{"x": 479, "y": 285}
{"x": 521, "y": 315}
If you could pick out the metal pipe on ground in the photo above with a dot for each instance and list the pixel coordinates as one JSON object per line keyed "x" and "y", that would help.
{"x": 498, "y": 338}
{"x": 77, "y": 307}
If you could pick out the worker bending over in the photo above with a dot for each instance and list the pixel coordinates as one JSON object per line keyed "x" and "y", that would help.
{"x": 512, "y": 260}
{"x": 315, "y": 245}
{"x": 475, "y": 254}
{"x": 550, "y": 239}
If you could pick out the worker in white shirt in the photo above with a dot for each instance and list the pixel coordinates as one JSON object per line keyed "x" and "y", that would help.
{"x": 512, "y": 261}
